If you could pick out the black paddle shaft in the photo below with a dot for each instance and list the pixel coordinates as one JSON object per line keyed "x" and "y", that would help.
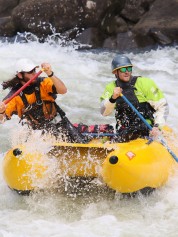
{"x": 71, "y": 131}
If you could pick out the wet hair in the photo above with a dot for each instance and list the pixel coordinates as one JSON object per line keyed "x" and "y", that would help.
{"x": 10, "y": 83}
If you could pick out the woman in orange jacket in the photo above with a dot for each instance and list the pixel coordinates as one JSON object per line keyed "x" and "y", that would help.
{"x": 35, "y": 105}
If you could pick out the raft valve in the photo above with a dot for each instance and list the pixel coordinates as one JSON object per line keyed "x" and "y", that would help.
{"x": 113, "y": 160}
{"x": 17, "y": 152}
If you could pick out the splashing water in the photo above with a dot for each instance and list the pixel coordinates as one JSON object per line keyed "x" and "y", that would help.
{"x": 99, "y": 212}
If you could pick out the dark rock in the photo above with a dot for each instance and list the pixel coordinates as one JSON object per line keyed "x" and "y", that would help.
{"x": 45, "y": 17}
{"x": 144, "y": 40}
{"x": 123, "y": 24}
{"x": 6, "y": 6}
{"x": 135, "y": 9}
{"x": 113, "y": 25}
{"x": 110, "y": 43}
{"x": 160, "y": 37}
{"x": 126, "y": 41}
{"x": 7, "y": 27}
{"x": 91, "y": 37}
{"x": 94, "y": 11}
{"x": 163, "y": 18}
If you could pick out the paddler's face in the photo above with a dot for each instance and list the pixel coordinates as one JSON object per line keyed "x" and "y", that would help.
{"x": 124, "y": 76}
{"x": 26, "y": 76}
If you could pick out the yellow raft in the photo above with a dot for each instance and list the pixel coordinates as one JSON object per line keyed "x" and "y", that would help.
{"x": 124, "y": 167}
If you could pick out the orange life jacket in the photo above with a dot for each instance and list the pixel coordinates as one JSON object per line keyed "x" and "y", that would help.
{"x": 37, "y": 107}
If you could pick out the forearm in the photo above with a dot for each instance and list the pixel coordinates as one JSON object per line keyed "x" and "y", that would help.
{"x": 2, "y": 117}
{"x": 162, "y": 111}
{"x": 107, "y": 107}
{"x": 60, "y": 86}
{"x": 2, "y": 112}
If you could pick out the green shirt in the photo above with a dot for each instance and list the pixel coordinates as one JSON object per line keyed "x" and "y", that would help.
{"x": 146, "y": 90}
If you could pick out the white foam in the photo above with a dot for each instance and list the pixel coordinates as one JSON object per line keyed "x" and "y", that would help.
{"x": 94, "y": 215}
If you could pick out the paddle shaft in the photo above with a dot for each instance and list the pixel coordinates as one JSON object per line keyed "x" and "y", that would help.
{"x": 22, "y": 88}
{"x": 148, "y": 126}
{"x": 100, "y": 134}
{"x": 136, "y": 111}
{"x": 74, "y": 134}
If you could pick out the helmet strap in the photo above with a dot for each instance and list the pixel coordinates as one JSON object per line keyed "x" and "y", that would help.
{"x": 116, "y": 75}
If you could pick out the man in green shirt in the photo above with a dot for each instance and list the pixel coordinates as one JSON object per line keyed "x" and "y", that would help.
{"x": 144, "y": 95}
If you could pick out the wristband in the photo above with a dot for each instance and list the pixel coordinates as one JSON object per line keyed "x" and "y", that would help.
{"x": 52, "y": 73}
{"x": 112, "y": 100}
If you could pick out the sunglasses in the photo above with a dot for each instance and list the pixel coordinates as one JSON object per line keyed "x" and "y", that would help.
{"x": 124, "y": 69}
{"x": 32, "y": 71}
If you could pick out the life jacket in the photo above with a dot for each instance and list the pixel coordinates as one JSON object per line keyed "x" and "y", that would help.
{"x": 40, "y": 113}
{"x": 125, "y": 116}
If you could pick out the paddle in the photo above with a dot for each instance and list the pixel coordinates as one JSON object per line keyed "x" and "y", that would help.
{"x": 95, "y": 134}
{"x": 22, "y": 88}
{"x": 70, "y": 129}
{"x": 148, "y": 126}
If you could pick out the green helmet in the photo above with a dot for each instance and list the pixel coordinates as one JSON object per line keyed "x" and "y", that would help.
{"x": 120, "y": 61}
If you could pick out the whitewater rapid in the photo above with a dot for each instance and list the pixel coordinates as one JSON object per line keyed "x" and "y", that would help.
{"x": 98, "y": 213}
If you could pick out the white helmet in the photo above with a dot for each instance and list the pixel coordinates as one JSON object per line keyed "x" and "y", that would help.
{"x": 24, "y": 65}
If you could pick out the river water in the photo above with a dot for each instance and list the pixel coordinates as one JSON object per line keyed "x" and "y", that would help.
{"x": 97, "y": 213}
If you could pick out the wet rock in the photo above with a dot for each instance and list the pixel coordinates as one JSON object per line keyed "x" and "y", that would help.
{"x": 90, "y": 37}
{"x": 99, "y": 23}
{"x": 126, "y": 41}
{"x": 6, "y": 6}
{"x": 113, "y": 25}
{"x": 123, "y": 42}
{"x": 110, "y": 43}
{"x": 135, "y": 9}
{"x": 7, "y": 27}
{"x": 160, "y": 37}
{"x": 163, "y": 18}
